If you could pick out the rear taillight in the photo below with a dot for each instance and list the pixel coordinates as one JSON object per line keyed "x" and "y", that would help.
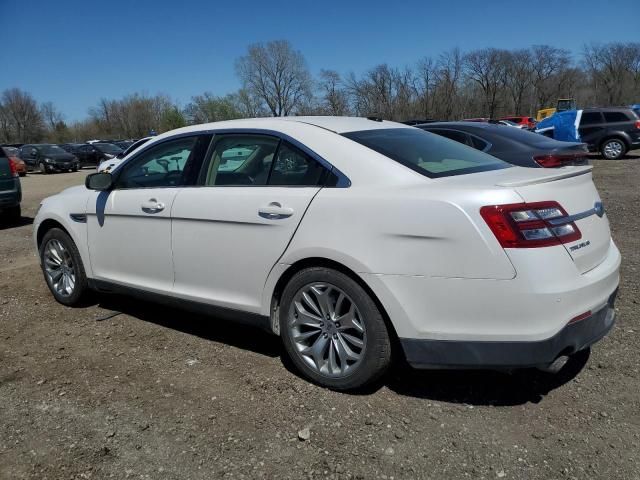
{"x": 638, "y": 125}
{"x": 530, "y": 225}
{"x": 13, "y": 167}
{"x": 552, "y": 161}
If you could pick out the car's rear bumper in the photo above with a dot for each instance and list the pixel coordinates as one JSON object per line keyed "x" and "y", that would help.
{"x": 421, "y": 353}
{"x": 11, "y": 198}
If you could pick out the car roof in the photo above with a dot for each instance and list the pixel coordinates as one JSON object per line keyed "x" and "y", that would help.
{"x": 605, "y": 109}
{"x": 462, "y": 124}
{"x": 334, "y": 124}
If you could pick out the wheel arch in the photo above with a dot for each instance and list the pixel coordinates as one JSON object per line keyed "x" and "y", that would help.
{"x": 335, "y": 265}
{"x": 615, "y": 136}
{"x": 47, "y": 225}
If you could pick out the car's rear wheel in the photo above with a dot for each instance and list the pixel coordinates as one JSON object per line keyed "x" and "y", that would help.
{"x": 332, "y": 329}
{"x": 13, "y": 214}
{"x": 613, "y": 149}
{"x": 63, "y": 268}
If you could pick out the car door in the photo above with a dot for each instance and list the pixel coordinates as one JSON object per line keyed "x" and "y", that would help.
{"x": 230, "y": 232}
{"x": 129, "y": 227}
{"x": 81, "y": 153}
{"x": 27, "y": 153}
{"x": 592, "y": 128}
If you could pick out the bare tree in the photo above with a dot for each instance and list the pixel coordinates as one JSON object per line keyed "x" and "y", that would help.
{"x": 615, "y": 70}
{"x": 277, "y": 74}
{"x": 23, "y": 118}
{"x": 487, "y": 68}
{"x": 210, "y": 108}
{"x": 333, "y": 98}
{"x": 51, "y": 116}
{"x": 519, "y": 70}
{"x": 135, "y": 115}
{"x": 424, "y": 86}
{"x": 449, "y": 71}
{"x": 547, "y": 62}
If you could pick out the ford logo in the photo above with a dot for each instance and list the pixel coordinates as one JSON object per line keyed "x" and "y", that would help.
{"x": 598, "y": 207}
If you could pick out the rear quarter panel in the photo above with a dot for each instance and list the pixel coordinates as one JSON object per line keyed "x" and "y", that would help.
{"x": 421, "y": 230}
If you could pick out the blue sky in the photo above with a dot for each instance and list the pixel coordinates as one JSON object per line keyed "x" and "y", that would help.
{"x": 73, "y": 52}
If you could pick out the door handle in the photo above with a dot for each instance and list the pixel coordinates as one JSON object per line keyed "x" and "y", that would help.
{"x": 152, "y": 206}
{"x": 275, "y": 211}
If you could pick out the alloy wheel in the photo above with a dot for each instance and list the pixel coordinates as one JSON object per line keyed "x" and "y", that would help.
{"x": 613, "y": 149}
{"x": 327, "y": 329}
{"x": 59, "y": 268}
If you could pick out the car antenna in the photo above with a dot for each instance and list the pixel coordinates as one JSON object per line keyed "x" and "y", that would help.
{"x": 375, "y": 118}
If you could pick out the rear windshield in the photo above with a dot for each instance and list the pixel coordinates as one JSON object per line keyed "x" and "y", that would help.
{"x": 431, "y": 155}
{"x": 521, "y": 136}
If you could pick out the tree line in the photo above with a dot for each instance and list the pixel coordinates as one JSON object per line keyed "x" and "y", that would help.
{"x": 275, "y": 81}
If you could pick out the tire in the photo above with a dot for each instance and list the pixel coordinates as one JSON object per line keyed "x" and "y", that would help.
{"x": 613, "y": 148}
{"x": 23, "y": 174}
{"x": 13, "y": 214}
{"x": 43, "y": 168}
{"x": 335, "y": 367}
{"x": 63, "y": 292}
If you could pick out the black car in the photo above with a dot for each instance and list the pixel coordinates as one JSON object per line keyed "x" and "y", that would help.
{"x": 92, "y": 154}
{"x": 611, "y": 131}
{"x": 10, "y": 190}
{"x": 87, "y": 154}
{"x": 513, "y": 145}
{"x": 48, "y": 158}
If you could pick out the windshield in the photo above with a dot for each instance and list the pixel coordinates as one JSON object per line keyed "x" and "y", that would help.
{"x": 431, "y": 155}
{"x": 52, "y": 150}
{"x": 108, "y": 148}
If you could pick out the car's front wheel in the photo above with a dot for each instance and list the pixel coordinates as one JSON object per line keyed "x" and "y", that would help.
{"x": 332, "y": 329}
{"x": 613, "y": 149}
{"x": 63, "y": 268}
{"x": 43, "y": 168}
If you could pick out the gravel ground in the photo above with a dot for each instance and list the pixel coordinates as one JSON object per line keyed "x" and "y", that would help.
{"x": 159, "y": 393}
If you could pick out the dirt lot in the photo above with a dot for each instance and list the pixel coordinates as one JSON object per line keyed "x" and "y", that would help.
{"x": 159, "y": 393}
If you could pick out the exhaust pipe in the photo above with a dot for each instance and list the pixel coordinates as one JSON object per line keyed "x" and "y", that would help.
{"x": 556, "y": 365}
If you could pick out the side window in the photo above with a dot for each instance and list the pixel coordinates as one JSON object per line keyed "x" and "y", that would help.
{"x": 455, "y": 135}
{"x": 478, "y": 143}
{"x": 294, "y": 167}
{"x": 240, "y": 160}
{"x": 611, "y": 117}
{"x": 590, "y": 118}
{"x": 168, "y": 164}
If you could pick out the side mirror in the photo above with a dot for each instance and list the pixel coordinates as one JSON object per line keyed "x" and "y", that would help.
{"x": 100, "y": 181}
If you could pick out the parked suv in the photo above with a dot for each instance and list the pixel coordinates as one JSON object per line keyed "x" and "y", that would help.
{"x": 611, "y": 131}
{"x": 48, "y": 158}
{"x": 10, "y": 191}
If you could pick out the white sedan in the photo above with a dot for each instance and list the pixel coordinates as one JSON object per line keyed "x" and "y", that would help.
{"x": 345, "y": 236}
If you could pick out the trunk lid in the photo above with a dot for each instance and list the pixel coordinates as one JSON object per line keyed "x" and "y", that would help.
{"x": 574, "y": 190}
